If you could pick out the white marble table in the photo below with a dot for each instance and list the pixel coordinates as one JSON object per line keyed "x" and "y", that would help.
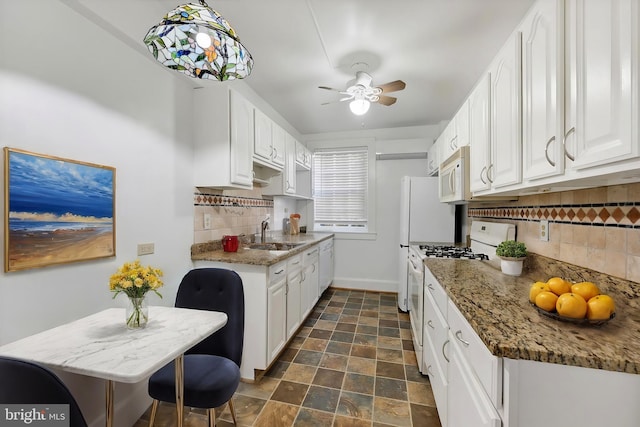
{"x": 101, "y": 346}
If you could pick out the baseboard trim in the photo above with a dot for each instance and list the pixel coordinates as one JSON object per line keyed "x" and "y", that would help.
{"x": 366, "y": 285}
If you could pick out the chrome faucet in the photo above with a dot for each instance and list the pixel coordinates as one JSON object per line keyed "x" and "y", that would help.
{"x": 263, "y": 228}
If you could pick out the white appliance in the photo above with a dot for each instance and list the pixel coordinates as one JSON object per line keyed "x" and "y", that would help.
{"x": 486, "y": 236}
{"x": 422, "y": 219}
{"x": 419, "y": 278}
{"x": 454, "y": 177}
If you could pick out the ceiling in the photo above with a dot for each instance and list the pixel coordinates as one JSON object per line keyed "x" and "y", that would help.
{"x": 438, "y": 48}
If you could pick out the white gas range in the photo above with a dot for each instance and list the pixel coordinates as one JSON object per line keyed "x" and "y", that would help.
{"x": 485, "y": 236}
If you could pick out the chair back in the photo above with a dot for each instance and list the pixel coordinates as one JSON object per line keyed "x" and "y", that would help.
{"x": 27, "y": 383}
{"x": 216, "y": 289}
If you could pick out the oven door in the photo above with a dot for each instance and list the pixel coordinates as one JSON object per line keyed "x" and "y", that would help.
{"x": 416, "y": 295}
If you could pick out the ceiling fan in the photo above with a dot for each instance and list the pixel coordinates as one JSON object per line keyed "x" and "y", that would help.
{"x": 362, "y": 94}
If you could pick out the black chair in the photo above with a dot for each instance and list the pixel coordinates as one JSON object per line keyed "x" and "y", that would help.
{"x": 27, "y": 383}
{"x": 212, "y": 367}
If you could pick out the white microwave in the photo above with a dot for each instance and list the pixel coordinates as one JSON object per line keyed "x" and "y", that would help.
{"x": 454, "y": 177}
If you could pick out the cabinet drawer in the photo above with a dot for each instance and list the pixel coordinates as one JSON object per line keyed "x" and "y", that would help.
{"x": 277, "y": 271}
{"x": 309, "y": 255}
{"x": 433, "y": 288}
{"x": 294, "y": 263}
{"x": 486, "y": 366}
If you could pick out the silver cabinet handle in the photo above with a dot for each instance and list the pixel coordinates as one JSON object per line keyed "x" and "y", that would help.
{"x": 546, "y": 151}
{"x": 429, "y": 370}
{"x": 443, "y": 353}
{"x": 488, "y": 172}
{"x": 274, "y": 153}
{"x": 564, "y": 143}
{"x": 279, "y": 271}
{"x": 430, "y": 286}
{"x": 312, "y": 252}
{"x": 430, "y": 323}
{"x": 459, "y": 336}
{"x": 481, "y": 172}
{"x": 296, "y": 263}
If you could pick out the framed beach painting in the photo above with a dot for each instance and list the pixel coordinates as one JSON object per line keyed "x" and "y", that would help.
{"x": 56, "y": 210}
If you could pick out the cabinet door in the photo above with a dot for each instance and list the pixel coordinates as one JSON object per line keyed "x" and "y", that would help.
{"x": 602, "y": 81}
{"x": 279, "y": 145}
{"x": 542, "y": 90}
{"x": 276, "y": 318}
{"x": 468, "y": 405}
{"x": 479, "y": 135}
{"x": 506, "y": 139}
{"x": 241, "y": 150}
{"x": 294, "y": 290}
{"x": 290, "y": 165}
{"x": 262, "y": 145}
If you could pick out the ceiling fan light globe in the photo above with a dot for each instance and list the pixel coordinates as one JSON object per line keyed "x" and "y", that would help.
{"x": 359, "y": 107}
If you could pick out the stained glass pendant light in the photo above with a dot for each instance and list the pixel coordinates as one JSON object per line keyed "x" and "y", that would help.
{"x": 197, "y": 41}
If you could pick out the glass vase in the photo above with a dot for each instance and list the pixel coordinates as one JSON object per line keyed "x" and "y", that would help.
{"x": 137, "y": 313}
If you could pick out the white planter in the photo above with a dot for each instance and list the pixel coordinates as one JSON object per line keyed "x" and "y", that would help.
{"x": 511, "y": 266}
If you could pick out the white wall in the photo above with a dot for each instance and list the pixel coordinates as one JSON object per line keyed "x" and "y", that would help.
{"x": 69, "y": 89}
{"x": 373, "y": 264}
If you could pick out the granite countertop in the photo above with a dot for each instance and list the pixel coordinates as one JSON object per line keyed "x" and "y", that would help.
{"x": 212, "y": 251}
{"x": 497, "y": 307}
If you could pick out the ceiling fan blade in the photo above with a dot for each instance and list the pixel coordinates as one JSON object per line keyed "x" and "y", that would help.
{"x": 392, "y": 86}
{"x": 387, "y": 100}
{"x": 330, "y": 88}
{"x": 346, "y": 98}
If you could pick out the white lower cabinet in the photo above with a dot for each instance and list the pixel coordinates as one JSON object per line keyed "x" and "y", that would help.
{"x": 468, "y": 404}
{"x": 310, "y": 280}
{"x": 276, "y": 310}
{"x": 278, "y": 298}
{"x": 326, "y": 265}
{"x": 474, "y": 388}
{"x": 294, "y": 294}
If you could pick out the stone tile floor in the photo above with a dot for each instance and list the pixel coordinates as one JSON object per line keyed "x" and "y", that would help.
{"x": 351, "y": 364}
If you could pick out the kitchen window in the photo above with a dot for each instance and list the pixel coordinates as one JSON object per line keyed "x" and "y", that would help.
{"x": 342, "y": 187}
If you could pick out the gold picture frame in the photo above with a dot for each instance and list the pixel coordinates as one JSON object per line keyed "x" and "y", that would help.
{"x": 56, "y": 210}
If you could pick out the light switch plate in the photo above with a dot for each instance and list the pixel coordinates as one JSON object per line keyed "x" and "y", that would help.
{"x": 544, "y": 230}
{"x": 207, "y": 221}
{"x": 146, "y": 248}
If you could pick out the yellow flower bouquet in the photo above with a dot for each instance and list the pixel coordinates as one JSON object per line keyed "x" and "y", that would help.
{"x": 135, "y": 281}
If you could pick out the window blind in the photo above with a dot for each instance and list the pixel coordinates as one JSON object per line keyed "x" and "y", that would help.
{"x": 340, "y": 185}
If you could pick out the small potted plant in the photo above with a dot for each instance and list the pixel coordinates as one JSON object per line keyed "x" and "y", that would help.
{"x": 512, "y": 255}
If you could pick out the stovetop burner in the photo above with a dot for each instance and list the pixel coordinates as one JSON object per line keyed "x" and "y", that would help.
{"x": 435, "y": 251}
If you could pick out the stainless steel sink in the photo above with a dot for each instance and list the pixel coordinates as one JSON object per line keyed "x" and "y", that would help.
{"x": 274, "y": 246}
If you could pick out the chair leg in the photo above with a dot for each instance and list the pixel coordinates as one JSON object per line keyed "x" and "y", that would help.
{"x": 233, "y": 412}
{"x": 211, "y": 412}
{"x": 152, "y": 416}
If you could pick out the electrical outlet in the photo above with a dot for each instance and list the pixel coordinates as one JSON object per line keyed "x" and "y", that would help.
{"x": 146, "y": 248}
{"x": 207, "y": 221}
{"x": 544, "y": 230}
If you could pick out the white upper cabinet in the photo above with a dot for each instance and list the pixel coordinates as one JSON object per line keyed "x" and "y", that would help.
{"x": 506, "y": 138}
{"x": 223, "y": 139}
{"x": 480, "y": 135}
{"x": 601, "y": 81}
{"x": 279, "y": 148}
{"x": 268, "y": 148}
{"x": 303, "y": 156}
{"x": 542, "y": 90}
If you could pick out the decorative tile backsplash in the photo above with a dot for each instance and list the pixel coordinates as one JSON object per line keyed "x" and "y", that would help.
{"x": 615, "y": 214}
{"x": 231, "y": 212}
{"x": 597, "y": 228}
